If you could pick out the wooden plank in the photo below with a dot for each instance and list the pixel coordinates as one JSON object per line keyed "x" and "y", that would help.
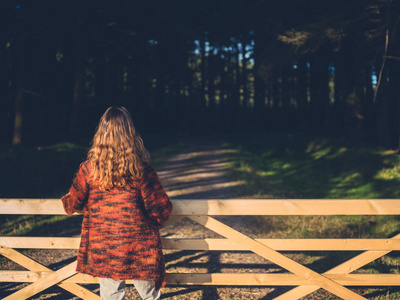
{"x": 285, "y": 244}
{"x": 32, "y": 265}
{"x": 44, "y": 283}
{"x": 313, "y": 277}
{"x": 31, "y": 276}
{"x": 233, "y": 207}
{"x": 219, "y": 244}
{"x": 23, "y": 260}
{"x": 31, "y": 207}
{"x": 366, "y": 279}
{"x": 40, "y": 242}
{"x": 345, "y": 268}
{"x": 22, "y": 276}
{"x": 229, "y": 279}
{"x": 287, "y": 207}
{"x": 279, "y": 279}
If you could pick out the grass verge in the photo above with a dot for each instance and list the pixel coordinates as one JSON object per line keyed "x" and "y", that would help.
{"x": 298, "y": 166}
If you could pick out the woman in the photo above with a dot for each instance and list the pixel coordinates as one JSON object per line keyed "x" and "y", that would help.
{"x": 124, "y": 206}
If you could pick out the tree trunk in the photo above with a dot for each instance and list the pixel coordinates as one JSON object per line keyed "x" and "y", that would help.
{"x": 259, "y": 84}
{"x": 75, "y": 119}
{"x": 203, "y": 70}
{"x": 338, "y": 105}
{"x": 18, "y": 118}
{"x": 302, "y": 94}
{"x": 245, "y": 92}
{"x": 369, "y": 106}
{"x": 352, "y": 97}
{"x": 19, "y": 93}
{"x": 324, "y": 105}
{"x": 315, "y": 95}
{"x": 212, "y": 106}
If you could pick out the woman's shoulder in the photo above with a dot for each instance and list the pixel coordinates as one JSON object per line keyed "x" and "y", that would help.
{"x": 147, "y": 169}
{"x": 85, "y": 167}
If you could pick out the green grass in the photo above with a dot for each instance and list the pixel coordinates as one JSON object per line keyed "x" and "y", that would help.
{"x": 296, "y": 166}
{"x": 304, "y": 167}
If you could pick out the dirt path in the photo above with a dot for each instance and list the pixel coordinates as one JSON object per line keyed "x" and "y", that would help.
{"x": 201, "y": 172}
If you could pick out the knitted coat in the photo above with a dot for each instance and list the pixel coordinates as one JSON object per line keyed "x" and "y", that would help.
{"x": 120, "y": 230}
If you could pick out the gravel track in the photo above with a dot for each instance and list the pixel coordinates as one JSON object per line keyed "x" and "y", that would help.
{"x": 200, "y": 172}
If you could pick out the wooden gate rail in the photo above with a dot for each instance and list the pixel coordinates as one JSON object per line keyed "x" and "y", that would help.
{"x": 219, "y": 244}
{"x": 200, "y": 211}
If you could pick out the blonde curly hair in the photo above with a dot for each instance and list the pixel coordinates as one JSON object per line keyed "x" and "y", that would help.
{"x": 117, "y": 151}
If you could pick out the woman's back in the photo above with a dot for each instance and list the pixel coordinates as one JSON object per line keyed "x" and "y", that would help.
{"x": 124, "y": 205}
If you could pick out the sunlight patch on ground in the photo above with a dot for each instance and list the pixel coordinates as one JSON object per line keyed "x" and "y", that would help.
{"x": 209, "y": 188}
{"x": 199, "y": 172}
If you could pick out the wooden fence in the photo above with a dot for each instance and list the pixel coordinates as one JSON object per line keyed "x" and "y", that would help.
{"x": 307, "y": 281}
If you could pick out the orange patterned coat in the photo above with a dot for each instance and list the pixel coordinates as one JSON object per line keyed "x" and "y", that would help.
{"x": 120, "y": 230}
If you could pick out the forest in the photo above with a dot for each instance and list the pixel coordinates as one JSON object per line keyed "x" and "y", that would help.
{"x": 327, "y": 67}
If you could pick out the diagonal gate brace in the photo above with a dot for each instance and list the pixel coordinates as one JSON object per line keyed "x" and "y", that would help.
{"x": 34, "y": 266}
{"x": 344, "y": 268}
{"x": 277, "y": 258}
{"x": 44, "y": 283}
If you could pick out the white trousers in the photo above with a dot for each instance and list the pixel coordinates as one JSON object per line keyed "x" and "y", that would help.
{"x": 111, "y": 289}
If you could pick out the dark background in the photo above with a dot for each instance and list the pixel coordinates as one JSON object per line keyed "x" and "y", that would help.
{"x": 184, "y": 67}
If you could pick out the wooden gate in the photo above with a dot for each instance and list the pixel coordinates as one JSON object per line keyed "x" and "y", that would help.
{"x": 307, "y": 281}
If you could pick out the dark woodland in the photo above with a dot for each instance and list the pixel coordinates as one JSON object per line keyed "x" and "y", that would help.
{"x": 329, "y": 67}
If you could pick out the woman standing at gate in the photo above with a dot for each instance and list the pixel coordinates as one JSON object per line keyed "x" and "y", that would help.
{"x": 124, "y": 205}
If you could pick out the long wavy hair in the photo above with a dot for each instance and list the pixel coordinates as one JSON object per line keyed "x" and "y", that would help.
{"x": 117, "y": 151}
